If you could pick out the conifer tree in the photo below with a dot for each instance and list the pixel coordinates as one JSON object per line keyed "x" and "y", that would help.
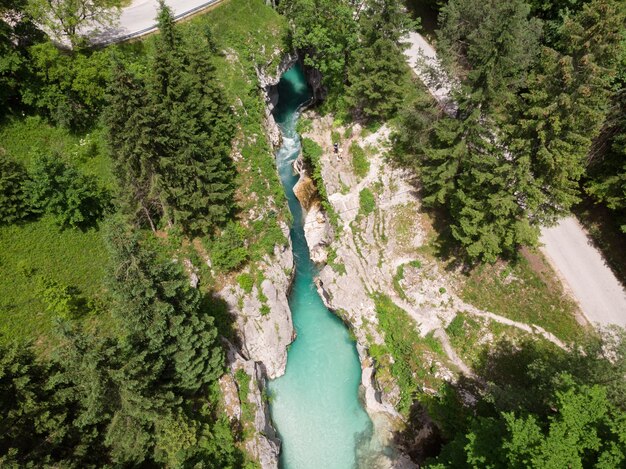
{"x": 14, "y": 200}
{"x": 30, "y": 426}
{"x": 164, "y": 315}
{"x": 465, "y": 167}
{"x": 131, "y": 125}
{"x": 566, "y": 105}
{"x": 195, "y": 130}
{"x": 171, "y": 137}
{"x": 493, "y": 44}
{"x": 378, "y": 65}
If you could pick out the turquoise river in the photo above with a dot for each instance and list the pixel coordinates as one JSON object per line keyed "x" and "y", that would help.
{"x": 315, "y": 405}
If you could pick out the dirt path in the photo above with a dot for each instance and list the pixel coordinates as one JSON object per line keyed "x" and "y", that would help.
{"x": 578, "y": 263}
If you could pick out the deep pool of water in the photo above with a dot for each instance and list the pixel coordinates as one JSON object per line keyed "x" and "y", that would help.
{"x": 315, "y": 405}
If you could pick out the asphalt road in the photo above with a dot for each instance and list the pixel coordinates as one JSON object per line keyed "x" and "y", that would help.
{"x": 579, "y": 265}
{"x": 584, "y": 271}
{"x": 140, "y": 18}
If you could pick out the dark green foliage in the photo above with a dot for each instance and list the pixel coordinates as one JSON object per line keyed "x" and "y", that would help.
{"x": 171, "y": 136}
{"x": 607, "y": 170}
{"x": 326, "y": 33}
{"x": 496, "y": 42}
{"x": 512, "y": 157}
{"x": 378, "y": 65}
{"x": 565, "y": 106}
{"x": 163, "y": 314}
{"x": 461, "y": 169}
{"x": 16, "y": 31}
{"x": 228, "y": 250}
{"x": 14, "y": 200}
{"x": 74, "y": 199}
{"x": 542, "y": 407}
{"x": 29, "y": 425}
{"x": 69, "y": 88}
{"x": 131, "y": 125}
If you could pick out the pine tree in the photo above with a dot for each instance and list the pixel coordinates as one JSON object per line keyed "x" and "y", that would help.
{"x": 171, "y": 136}
{"x": 131, "y": 125}
{"x": 14, "y": 200}
{"x": 566, "y": 105}
{"x": 378, "y": 65}
{"x": 465, "y": 167}
{"x": 607, "y": 171}
{"x": 195, "y": 131}
{"x": 493, "y": 44}
{"x": 30, "y": 428}
{"x": 164, "y": 315}
{"x": 464, "y": 170}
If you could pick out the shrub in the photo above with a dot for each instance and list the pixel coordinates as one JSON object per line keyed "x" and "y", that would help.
{"x": 360, "y": 164}
{"x": 75, "y": 200}
{"x": 58, "y": 298}
{"x": 246, "y": 282}
{"x": 367, "y": 202}
{"x": 14, "y": 202}
{"x": 304, "y": 126}
{"x": 228, "y": 250}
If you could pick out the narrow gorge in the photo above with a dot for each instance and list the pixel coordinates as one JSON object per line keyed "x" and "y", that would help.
{"x": 315, "y": 405}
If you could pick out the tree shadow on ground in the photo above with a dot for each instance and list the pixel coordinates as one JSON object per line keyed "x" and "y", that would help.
{"x": 523, "y": 377}
{"x": 225, "y": 321}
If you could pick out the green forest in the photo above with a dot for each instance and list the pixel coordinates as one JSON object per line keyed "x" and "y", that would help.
{"x": 117, "y": 163}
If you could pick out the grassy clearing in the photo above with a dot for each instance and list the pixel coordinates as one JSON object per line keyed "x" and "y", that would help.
{"x": 39, "y": 248}
{"x": 472, "y": 337}
{"x": 518, "y": 292}
{"x": 23, "y": 139}
{"x": 71, "y": 257}
{"x": 409, "y": 350}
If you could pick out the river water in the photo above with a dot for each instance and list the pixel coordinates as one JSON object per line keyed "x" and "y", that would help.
{"x": 315, "y": 405}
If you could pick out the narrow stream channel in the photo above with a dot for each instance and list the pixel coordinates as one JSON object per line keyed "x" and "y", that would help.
{"x": 315, "y": 405}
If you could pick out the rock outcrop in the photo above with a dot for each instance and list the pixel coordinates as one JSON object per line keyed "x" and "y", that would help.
{"x": 261, "y": 313}
{"x": 263, "y": 316}
{"x": 264, "y": 445}
{"x": 317, "y": 229}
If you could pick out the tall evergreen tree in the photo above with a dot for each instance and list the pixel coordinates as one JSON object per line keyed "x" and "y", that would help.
{"x": 566, "y": 105}
{"x": 607, "y": 171}
{"x": 14, "y": 200}
{"x": 31, "y": 427}
{"x": 378, "y": 65}
{"x": 464, "y": 167}
{"x": 492, "y": 44}
{"x": 164, "y": 315}
{"x": 131, "y": 117}
{"x": 172, "y": 137}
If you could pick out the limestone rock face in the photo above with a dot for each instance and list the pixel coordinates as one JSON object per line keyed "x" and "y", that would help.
{"x": 268, "y": 81}
{"x": 263, "y": 317}
{"x": 317, "y": 230}
{"x": 264, "y": 446}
